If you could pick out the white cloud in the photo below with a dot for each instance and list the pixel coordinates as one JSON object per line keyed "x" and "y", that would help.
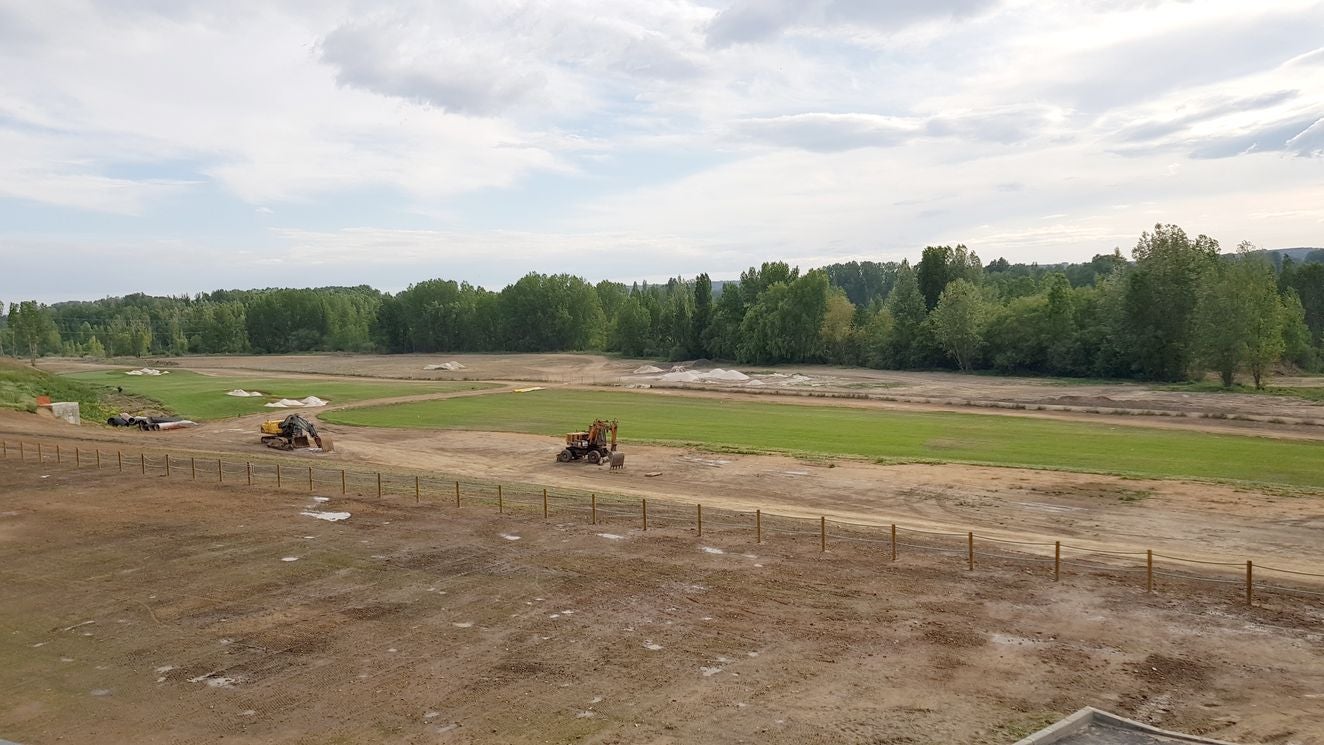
{"x": 685, "y": 135}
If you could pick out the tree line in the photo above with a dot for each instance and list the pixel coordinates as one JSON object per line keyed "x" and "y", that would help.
{"x": 1177, "y": 308}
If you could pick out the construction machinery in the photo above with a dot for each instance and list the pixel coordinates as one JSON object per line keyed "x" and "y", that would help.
{"x": 293, "y": 433}
{"x": 595, "y": 445}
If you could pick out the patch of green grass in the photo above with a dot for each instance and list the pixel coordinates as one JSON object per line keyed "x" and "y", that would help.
{"x": 1307, "y": 393}
{"x": 872, "y": 433}
{"x": 21, "y": 384}
{"x": 202, "y": 397}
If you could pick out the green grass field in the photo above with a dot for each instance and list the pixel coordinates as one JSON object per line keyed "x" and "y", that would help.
{"x": 872, "y": 433}
{"x": 202, "y": 397}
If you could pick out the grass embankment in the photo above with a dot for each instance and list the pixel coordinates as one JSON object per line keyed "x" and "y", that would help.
{"x": 872, "y": 433}
{"x": 20, "y": 385}
{"x": 1306, "y": 393}
{"x": 202, "y": 397}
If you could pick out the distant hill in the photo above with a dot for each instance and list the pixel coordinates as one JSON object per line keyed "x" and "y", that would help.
{"x": 1297, "y": 254}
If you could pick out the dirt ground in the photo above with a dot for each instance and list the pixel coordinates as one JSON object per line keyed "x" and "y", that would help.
{"x": 138, "y": 610}
{"x": 1213, "y": 522}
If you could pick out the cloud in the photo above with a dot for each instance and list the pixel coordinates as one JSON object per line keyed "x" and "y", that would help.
{"x": 823, "y": 132}
{"x": 1202, "y": 111}
{"x": 830, "y": 132}
{"x": 485, "y": 138}
{"x": 757, "y": 20}
{"x": 494, "y": 58}
{"x": 470, "y": 81}
{"x": 1309, "y": 142}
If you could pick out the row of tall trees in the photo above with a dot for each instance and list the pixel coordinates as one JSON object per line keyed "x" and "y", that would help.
{"x": 1176, "y": 308}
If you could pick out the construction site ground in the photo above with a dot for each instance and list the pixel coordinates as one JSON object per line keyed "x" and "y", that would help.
{"x": 153, "y": 610}
{"x": 854, "y": 650}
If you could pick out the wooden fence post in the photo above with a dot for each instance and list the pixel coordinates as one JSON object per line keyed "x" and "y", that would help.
{"x": 457, "y": 494}
{"x": 98, "y": 459}
{"x": 119, "y": 458}
{"x": 193, "y": 468}
{"x": 593, "y": 505}
{"x": 417, "y": 495}
{"x": 644, "y": 503}
{"x": 248, "y": 470}
{"x": 167, "y": 465}
{"x": 972, "y": 550}
{"x": 142, "y": 461}
{"x": 342, "y": 482}
{"x": 758, "y": 526}
{"x": 41, "y": 458}
{"x": 699, "y": 511}
{"x": 501, "y": 503}
{"x": 21, "y": 455}
{"x": 1250, "y": 584}
{"x": 277, "y": 475}
{"x": 5, "y": 444}
{"x": 78, "y": 457}
{"x": 220, "y": 471}
{"x": 893, "y": 541}
{"x": 822, "y": 533}
{"x": 57, "y": 453}
{"x": 310, "y": 478}
{"x": 1149, "y": 570}
{"x": 1057, "y": 560}
{"x": 379, "y": 484}
{"x": 544, "y": 504}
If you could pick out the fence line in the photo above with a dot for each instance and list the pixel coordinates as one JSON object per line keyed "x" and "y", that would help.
{"x": 509, "y": 498}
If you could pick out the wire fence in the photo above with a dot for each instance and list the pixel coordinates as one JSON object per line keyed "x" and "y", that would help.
{"x": 890, "y": 540}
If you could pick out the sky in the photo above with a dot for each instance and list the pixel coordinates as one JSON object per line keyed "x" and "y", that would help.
{"x": 179, "y": 146}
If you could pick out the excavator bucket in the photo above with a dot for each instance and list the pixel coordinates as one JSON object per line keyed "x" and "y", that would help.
{"x": 617, "y": 461}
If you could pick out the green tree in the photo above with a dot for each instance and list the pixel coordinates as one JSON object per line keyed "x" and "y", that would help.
{"x": 95, "y": 348}
{"x": 958, "y": 322}
{"x": 1160, "y": 300}
{"x": 703, "y": 314}
{"x": 629, "y": 329}
{"x": 940, "y": 265}
{"x": 33, "y": 329}
{"x": 1239, "y": 317}
{"x": 1297, "y": 344}
{"x": 906, "y": 309}
{"x": 837, "y": 330}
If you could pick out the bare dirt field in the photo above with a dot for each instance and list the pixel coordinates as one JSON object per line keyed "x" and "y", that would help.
{"x": 152, "y": 611}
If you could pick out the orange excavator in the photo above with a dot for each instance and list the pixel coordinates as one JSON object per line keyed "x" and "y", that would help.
{"x": 595, "y": 445}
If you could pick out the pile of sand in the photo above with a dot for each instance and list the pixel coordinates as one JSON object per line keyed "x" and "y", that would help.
{"x": 241, "y": 393}
{"x": 647, "y": 370}
{"x": 716, "y": 375}
{"x": 148, "y": 371}
{"x": 289, "y": 403}
{"x": 452, "y": 365}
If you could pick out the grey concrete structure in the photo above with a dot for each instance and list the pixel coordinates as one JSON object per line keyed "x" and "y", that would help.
{"x": 1091, "y": 726}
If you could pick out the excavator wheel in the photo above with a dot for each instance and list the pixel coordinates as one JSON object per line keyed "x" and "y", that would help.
{"x": 564, "y": 456}
{"x": 593, "y": 457}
